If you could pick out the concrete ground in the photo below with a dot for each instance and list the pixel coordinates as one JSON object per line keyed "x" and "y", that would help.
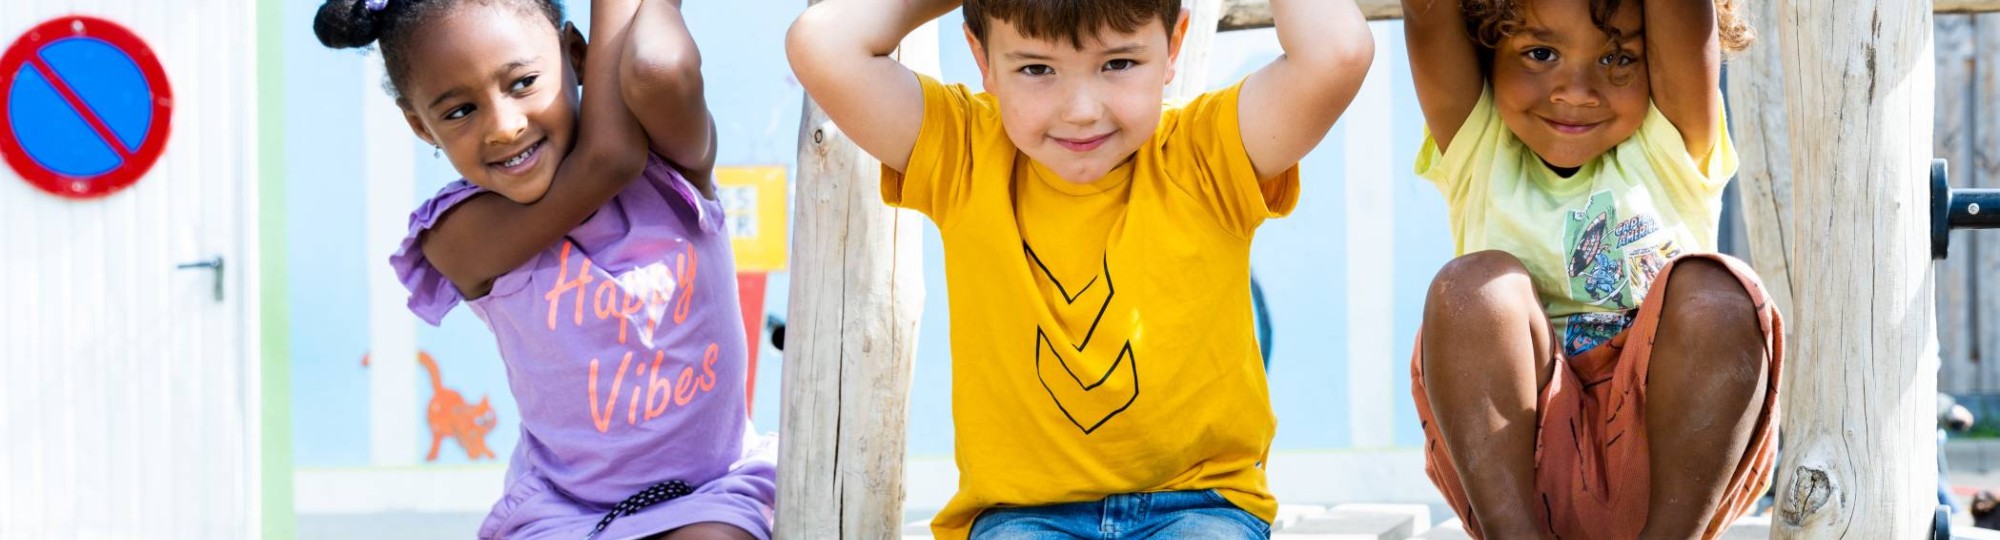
{"x": 1975, "y": 466}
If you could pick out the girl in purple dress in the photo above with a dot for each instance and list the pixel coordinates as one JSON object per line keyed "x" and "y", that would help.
{"x": 598, "y": 258}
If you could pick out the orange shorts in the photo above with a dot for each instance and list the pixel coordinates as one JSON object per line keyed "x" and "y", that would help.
{"x": 1591, "y": 461}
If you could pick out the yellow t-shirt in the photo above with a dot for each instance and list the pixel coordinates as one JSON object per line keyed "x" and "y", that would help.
{"x": 1595, "y": 241}
{"x": 1068, "y": 299}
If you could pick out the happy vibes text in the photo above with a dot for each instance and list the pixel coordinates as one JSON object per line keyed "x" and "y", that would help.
{"x": 609, "y": 301}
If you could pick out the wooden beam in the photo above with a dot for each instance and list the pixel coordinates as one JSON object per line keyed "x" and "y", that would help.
{"x": 1860, "y": 457}
{"x": 1965, "y": 6}
{"x": 856, "y": 294}
{"x": 1250, "y": 14}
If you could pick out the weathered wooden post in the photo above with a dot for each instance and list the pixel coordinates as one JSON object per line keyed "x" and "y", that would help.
{"x": 1758, "y": 126}
{"x": 1954, "y": 141}
{"x": 857, "y": 291}
{"x": 1860, "y": 460}
{"x": 1983, "y": 170}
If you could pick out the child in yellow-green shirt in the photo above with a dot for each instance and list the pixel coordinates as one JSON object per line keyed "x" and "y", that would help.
{"x": 1588, "y": 366}
{"x": 1105, "y": 364}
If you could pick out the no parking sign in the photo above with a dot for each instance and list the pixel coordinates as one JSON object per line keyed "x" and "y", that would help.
{"x": 84, "y": 107}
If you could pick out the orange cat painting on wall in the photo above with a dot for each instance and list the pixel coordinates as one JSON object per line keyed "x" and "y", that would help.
{"x": 449, "y": 415}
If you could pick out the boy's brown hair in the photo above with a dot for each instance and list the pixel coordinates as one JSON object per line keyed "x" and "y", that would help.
{"x": 1073, "y": 19}
{"x": 1487, "y": 21}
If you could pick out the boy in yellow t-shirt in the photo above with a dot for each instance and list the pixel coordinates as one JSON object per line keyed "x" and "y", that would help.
{"x": 1589, "y": 367}
{"x": 1096, "y": 246}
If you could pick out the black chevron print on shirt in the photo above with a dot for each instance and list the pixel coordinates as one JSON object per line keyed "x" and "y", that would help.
{"x": 1084, "y": 398}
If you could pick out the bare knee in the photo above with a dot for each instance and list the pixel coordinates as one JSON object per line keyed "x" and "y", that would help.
{"x": 1709, "y": 309}
{"x": 1478, "y": 283}
{"x": 1704, "y": 293}
{"x": 1477, "y": 303}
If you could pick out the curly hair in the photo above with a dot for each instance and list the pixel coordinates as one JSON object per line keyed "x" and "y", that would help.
{"x": 1488, "y": 21}
{"x": 348, "y": 24}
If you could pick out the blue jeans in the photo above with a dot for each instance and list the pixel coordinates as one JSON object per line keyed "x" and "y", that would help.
{"x": 1164, "y": 514}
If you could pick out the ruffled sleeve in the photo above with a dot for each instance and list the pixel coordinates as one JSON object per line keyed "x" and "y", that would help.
{"x": 431, "y": 295}
{"x": 667, "y": 177}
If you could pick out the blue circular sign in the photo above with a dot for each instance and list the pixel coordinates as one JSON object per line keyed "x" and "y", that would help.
{"x": 86, "y": 107}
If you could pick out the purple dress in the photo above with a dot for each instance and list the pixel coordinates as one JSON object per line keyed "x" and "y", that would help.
{"x": 624, "y": 349}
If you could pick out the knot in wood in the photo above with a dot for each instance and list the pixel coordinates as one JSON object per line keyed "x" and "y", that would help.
{"x": 1811, "y": 487}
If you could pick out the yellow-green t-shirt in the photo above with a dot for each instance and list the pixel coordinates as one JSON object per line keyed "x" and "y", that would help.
{"x": 1102, "y": 336}
{"x": 1595, "y": 241}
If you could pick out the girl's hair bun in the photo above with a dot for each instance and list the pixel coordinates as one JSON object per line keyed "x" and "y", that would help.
{"x": 345, "y": 24}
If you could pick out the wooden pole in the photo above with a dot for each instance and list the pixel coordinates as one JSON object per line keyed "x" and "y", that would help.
{"x": 1191, "y": 72}
{"x": 1761, "y": 134}
{"x": 1953, "y": 142}
{"x": 1860, "y": 457}
{"x": 856, "y": 294}
{"x": 1249, "y": 14}
{"x": 1983, "y": 171}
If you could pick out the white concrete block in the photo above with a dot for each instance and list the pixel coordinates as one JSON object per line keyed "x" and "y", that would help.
{"x": 1350, "y": 525}
{"x": 1420, "y": 515}
{"x": 1289, "y": 514}
{"x": 1451, "y": 529}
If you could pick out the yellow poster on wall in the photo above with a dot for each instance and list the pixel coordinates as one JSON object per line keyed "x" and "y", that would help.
{"x": 754, "y": 199}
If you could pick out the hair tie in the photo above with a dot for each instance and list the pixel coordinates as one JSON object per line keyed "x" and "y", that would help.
{"x": 375, "y": 5}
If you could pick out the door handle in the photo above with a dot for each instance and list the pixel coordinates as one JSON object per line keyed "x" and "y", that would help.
{"x": 214, "y": 264}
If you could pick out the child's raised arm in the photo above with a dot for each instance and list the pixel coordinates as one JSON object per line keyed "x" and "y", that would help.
{"x": 1684, "y": 63}
{"x": 662, "y": 84}
{"x": 489, "y": 235}
{"x": 1444, "y": 64}
{"x": 840, "y": 51}
{"x": 1288, "y": 105}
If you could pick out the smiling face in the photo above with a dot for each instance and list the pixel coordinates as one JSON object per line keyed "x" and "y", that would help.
{"x": 1565, "y": 87}
{"x": 493, "y": 89}
{"x": 1079, "y": 109}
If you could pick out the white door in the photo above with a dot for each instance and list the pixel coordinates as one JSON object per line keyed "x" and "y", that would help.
{"x": 127, "y": 389}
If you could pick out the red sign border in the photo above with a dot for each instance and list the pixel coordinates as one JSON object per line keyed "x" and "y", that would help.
{"x": 141, "y": 160}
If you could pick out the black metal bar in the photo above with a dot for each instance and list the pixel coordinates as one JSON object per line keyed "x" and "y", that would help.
{"x": 1954, "y": 209}
{"x": 1975, "y": 209}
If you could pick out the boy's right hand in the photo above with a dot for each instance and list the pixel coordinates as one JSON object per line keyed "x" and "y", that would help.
{"x": 839, "y": 49}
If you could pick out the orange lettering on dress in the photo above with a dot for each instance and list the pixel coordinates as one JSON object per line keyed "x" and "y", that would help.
{"x": 564, "y": 285}
{"x": 656, "y": 388}
{"x": 603, "y": 419}
{"x": 684, "y": 388}
{"x": 604, "y": 303}
{"x": 708, "y": 368}
{"x": 689, "y": 264}
{"x": 632, "y": 409}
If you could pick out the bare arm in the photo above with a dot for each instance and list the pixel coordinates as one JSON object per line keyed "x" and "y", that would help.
{"x": 661, "y": 82}
{"x": 840, "y": 51}
{"x": 1684, "y": 62}
{"x": 1444, "y": 64}
{"x": 1288, "y": 105}
{"x": 488, "y": 235}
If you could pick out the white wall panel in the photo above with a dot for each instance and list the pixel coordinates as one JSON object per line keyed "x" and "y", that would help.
{"x": 128, "y": 398}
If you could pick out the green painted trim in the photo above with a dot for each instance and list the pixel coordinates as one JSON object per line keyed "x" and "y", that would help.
{"x": 279, "y": 515}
